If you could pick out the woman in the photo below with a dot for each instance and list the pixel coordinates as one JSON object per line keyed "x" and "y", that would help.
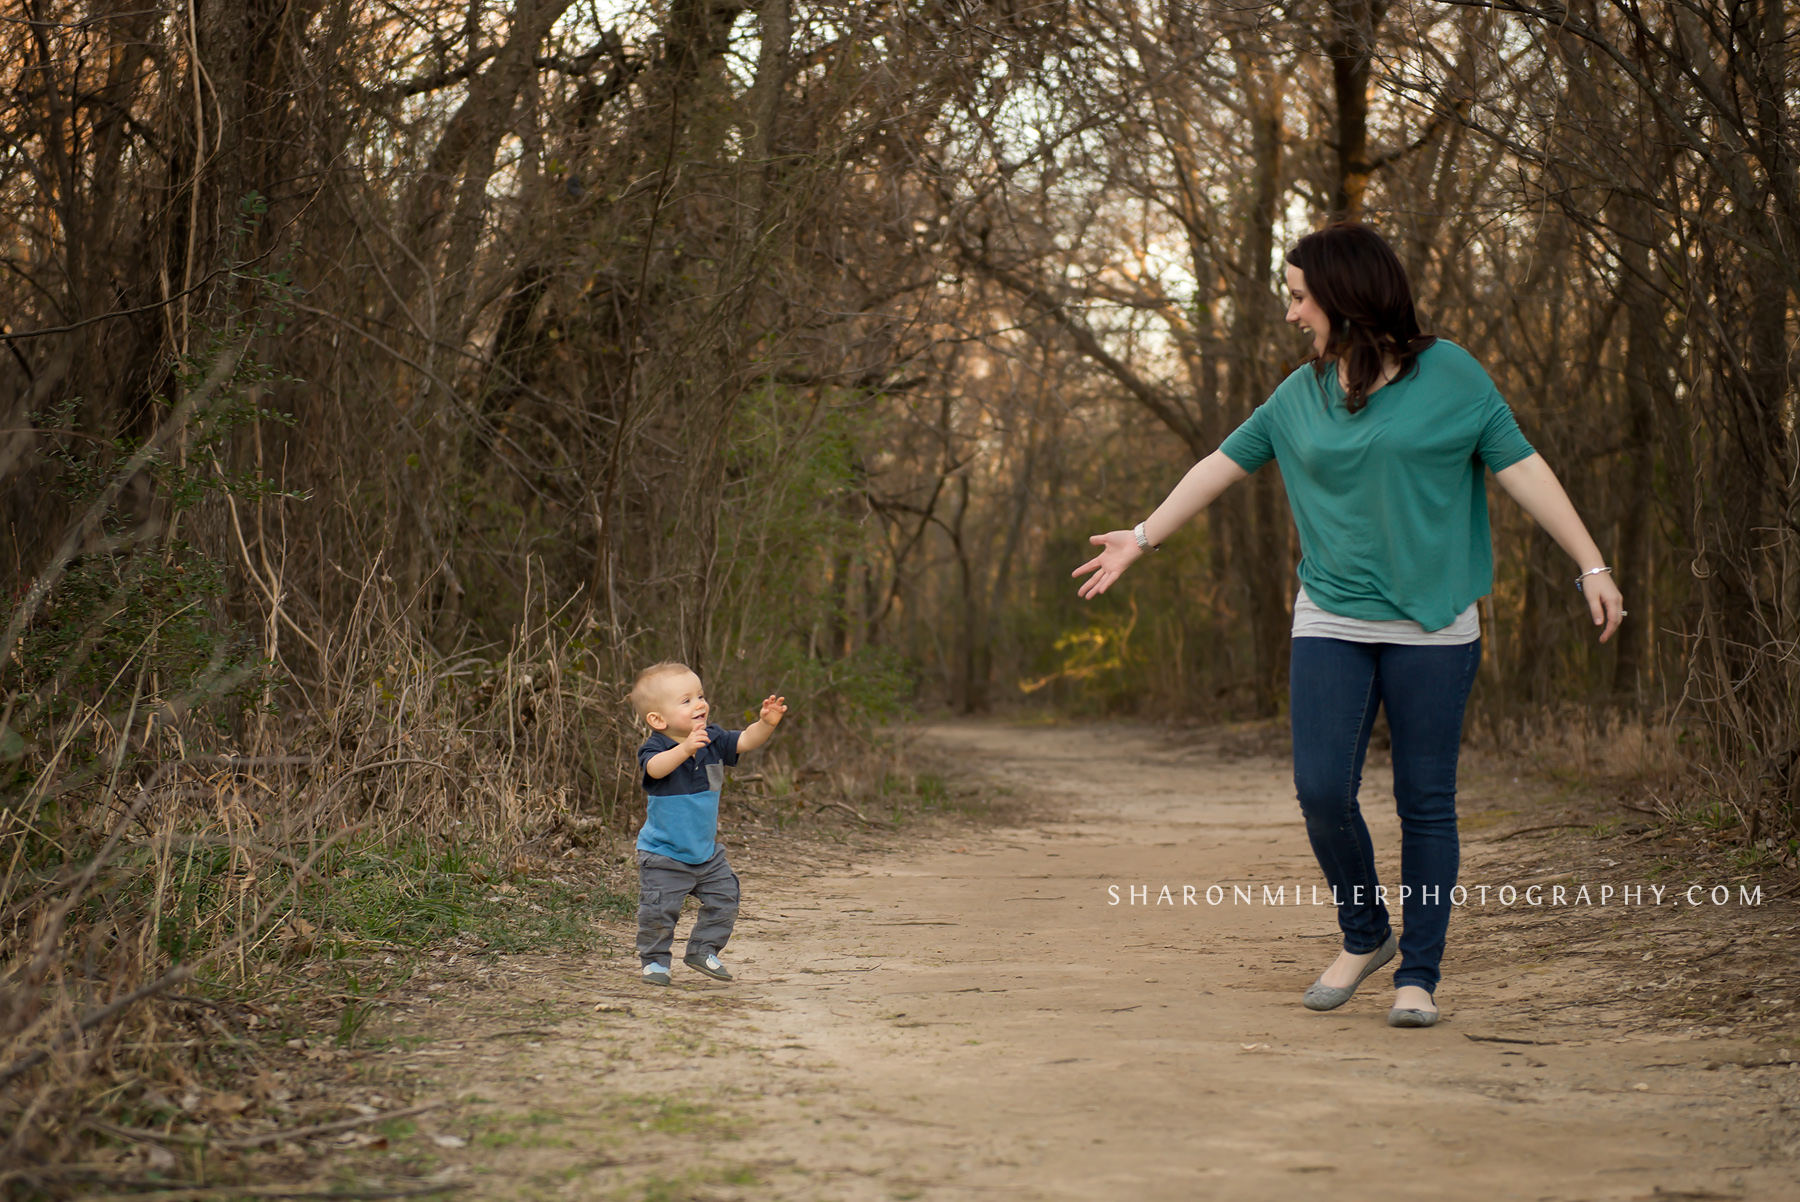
{"x": 1382, "y": 440}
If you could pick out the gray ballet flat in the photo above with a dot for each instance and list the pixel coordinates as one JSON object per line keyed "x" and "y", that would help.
{"x": 1330, "y": 997}
{"x": 1412, "y": 1018}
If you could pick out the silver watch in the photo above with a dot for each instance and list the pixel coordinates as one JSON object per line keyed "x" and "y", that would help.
{"x": 1143, "y": 540}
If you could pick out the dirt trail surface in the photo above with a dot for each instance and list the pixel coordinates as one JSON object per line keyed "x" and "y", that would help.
{"x": 975, "y": 1017}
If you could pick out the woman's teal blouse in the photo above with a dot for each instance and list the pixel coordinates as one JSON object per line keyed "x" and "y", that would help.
{"x": 1391, "y": 501}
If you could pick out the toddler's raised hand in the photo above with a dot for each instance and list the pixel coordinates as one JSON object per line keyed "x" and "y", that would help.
{"x": 773, "y": 708}
{"x": 696, "y": 740}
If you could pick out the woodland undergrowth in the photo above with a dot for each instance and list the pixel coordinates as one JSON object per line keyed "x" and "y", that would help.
{"x": 385, "y": 384}
{"x": 204, "y": 851}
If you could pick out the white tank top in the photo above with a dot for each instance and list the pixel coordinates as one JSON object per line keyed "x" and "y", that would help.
{"x": 1311, "y": 622}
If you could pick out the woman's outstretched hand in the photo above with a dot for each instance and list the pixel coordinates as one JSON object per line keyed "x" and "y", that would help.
{"x": 1605, "y": 602}
{"x": 1121, "y": 551}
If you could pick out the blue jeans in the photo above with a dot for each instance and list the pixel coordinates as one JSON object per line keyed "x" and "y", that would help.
{"x": 1335, "y": 687}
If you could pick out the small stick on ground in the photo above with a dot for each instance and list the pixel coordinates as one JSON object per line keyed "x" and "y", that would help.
{"x": 850, "y": 810}
{"x": 253, "y": 1141}
{"x": 1554, "y": 826}
{"x": 207, "y": 1193}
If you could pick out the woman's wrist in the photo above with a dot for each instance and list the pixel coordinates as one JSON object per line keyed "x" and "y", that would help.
{"x": 1588, "y": 574}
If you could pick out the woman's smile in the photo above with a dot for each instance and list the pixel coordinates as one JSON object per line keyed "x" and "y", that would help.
{"x": 1304, "y": 311}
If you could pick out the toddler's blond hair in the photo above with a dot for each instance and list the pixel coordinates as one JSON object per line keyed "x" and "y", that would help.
{"x": 644, "y": 697}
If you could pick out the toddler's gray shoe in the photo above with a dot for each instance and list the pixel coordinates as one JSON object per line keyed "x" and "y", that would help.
{"x": 1330, "y": 997}
{"x": 656, "y": 974}
{"x": 708, "y": 964}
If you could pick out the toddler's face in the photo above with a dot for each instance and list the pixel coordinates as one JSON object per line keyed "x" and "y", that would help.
{"x": 683, "y": 709}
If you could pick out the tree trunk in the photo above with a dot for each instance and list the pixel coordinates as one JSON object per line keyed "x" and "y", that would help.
{"x": 1647, "y": 373}
{"x": 1257, "y": 522}
{"x": 1351, "y": 46}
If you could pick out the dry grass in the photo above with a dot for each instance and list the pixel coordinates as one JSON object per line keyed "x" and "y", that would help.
{"x": 1572, "y": 742}
{"x": 407, "y": 798}
{"x": 1651, "y": 769}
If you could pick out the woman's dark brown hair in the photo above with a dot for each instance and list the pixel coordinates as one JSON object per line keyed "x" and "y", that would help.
{"x": 1360, "y": 285}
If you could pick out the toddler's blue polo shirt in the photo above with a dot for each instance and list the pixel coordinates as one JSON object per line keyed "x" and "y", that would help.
{"x": 681, "y": 818}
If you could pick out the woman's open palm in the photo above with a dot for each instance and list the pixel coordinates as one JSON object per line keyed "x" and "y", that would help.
{"x": 1121, "y": 551}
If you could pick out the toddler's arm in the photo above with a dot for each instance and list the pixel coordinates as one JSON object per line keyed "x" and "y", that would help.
{"x": 665, "y": 762}
{"x": 758, "y": 732}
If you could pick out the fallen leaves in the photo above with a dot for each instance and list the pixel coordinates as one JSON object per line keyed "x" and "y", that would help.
{"x": 297, "y": 938}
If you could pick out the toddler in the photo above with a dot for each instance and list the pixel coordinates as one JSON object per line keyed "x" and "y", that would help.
{"x": 684, "y": 762}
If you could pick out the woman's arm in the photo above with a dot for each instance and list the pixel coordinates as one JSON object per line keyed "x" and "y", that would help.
{"x": 1198, "y": 489}
{"x": 1535, "y": 487}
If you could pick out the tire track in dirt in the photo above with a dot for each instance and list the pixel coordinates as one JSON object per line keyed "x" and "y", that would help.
{"x": 974, "y": 1017}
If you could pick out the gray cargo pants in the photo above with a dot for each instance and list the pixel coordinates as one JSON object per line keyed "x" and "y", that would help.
{"x": 663, "y": 884}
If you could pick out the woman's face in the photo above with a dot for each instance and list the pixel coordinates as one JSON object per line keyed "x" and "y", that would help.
{"x": 1304, "y": 311}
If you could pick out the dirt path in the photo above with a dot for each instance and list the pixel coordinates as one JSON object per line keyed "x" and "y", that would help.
{"x": 977, "y": 1018}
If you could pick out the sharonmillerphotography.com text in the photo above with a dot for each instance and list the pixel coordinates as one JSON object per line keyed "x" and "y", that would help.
{"x": 1552, "y": 895}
